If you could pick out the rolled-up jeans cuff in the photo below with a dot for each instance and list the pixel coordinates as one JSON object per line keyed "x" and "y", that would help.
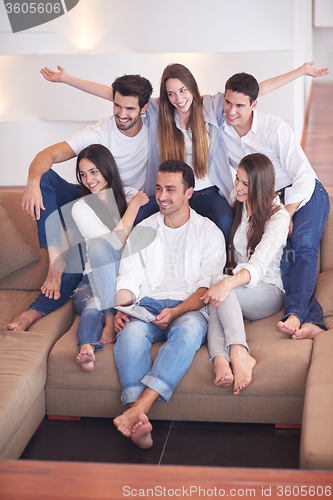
{"x": 37, "y": 310}
{"x": 159, "y": 386}
{"x": 131, "y": 394}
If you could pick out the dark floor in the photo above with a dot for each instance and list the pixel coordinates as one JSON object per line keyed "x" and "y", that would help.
{"x": 175, "y": 443}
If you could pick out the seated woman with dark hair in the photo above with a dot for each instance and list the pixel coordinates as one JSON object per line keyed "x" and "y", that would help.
{"x": 254, "y": 290}
{"x": 97, "y": 217}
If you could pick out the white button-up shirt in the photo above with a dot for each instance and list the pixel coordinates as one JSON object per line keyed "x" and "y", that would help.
{"x": 264, "y": 263}
{"x": 273, "y": 137}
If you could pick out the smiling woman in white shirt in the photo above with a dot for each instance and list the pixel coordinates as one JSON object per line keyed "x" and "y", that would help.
{"x": 104, "y": 217}
{"x": 254, "y": 290}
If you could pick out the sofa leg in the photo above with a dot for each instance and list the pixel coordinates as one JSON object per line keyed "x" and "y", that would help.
{"x": 59, "y": 417}
{"x": 288, "y": 426}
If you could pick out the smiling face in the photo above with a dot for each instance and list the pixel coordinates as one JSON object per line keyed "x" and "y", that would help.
{"x": 179, "y": 96}
{"x": 238, "y": 111}
{"x": 172, "y": 197}
{"x": 91, "y": 177}
{"x": 127, "y": 113}
{"x": 242, "y": 184}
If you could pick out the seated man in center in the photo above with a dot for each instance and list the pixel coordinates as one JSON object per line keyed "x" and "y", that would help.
{"x": 168, "y": 278}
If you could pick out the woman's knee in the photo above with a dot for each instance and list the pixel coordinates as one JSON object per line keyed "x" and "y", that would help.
{"x": 100, "y": 249}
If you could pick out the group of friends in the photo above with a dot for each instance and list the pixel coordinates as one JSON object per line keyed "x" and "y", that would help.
{"x": 178, "y": 249}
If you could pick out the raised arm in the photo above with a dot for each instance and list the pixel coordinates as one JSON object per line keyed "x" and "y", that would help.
{"x": 32, "y": 197}
{"x": 276, "y": 82}
{"x": 125, "y": 224}
{"x": 93, "y": 88}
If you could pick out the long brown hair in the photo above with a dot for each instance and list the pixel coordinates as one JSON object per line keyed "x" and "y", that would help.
{"x": 104, "y": 161}
{"x": 261, "y": 180}
{"x": 171, "y": 139}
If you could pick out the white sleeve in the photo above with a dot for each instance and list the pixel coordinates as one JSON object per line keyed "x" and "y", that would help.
{"x": 90, "y": 226}
{"x": 213, "y": 258}
{"x": 295, "y": 163}
{"x": 92, "y": 134}
{"x": 274, "y": 237}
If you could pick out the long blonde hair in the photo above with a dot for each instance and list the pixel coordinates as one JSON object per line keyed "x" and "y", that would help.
{"x": 171, "y": 139}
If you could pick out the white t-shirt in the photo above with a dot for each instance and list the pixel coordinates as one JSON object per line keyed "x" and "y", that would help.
{"x": 174, "y": 246}
{"x": 130, "y": 153}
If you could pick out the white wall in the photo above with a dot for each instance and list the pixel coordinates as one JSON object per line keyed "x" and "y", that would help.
{"x": 102, "y": 39}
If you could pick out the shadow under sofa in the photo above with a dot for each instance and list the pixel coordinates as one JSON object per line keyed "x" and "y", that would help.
{"x": 292, "y": 382}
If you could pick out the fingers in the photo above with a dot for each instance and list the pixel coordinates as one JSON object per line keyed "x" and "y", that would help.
{"x": 120, "y": 320}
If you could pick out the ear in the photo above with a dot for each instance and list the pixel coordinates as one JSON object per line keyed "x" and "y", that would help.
{"x": 254, "y": 104}
{"x": 144, "y": 109}
{"x": 189, "y": 193}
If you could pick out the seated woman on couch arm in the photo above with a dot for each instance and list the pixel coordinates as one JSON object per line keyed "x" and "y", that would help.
{"x": 254, "y": 291}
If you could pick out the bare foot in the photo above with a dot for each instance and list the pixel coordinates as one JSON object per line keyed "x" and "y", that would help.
{"x": 242, "y": 366}
{"x": 109, "y": 334}
{"x": 57, "y": 265}
{"x": 222, "y": 370}
{"x": 24, "y": 320}
{"x": 289, "y": 326}
{"x": 307, "y": 331}
{"x": 141, "y": 432}
{"x": 86, "y": 358}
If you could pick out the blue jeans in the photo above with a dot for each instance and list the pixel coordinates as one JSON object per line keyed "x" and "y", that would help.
{"x": 90, "y": 327}
{"x": 209, "y": 203}
{"x": 299, "y": 264}
{"x": 182, "y": 338}
{"x": 96, "y": 295}
{"x": 104, "y": 261}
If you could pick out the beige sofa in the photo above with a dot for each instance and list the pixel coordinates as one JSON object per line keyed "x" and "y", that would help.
{"x": 292, "y": 383}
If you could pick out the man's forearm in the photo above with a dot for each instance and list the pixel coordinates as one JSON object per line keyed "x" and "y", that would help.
{"x": 192, "y": 303}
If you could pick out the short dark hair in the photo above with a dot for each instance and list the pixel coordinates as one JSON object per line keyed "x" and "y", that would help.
{"x": 245, "y": 84}
{"x": 133, "y": 86}
{"x": 177, "y": 166}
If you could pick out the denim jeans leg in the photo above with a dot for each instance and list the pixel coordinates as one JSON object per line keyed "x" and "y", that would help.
{"x": 133, "y": 358}
{"x": 184, "y": 337}
{"x": 45, "y": 306}
{"x": 209, "y": 203}
{"x": 90, "y": 327}
{"x": 104, "y": 261}
{"x": 300, "y": 258}
{"x": 56, "y": 192}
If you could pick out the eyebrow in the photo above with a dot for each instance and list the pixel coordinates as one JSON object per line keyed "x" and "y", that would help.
{"x": 167, "y": 186}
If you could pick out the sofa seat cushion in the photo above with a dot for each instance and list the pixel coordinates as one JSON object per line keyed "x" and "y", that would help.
{"x": 276, "y": 393}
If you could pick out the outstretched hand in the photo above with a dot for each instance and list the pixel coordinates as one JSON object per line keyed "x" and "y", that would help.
{"x": 310, "y": 70}
{"x": 54, "y": 76}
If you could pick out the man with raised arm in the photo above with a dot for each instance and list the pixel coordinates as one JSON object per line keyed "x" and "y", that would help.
{"x": 168, "y": 279}
{"x": 127, "y": 135}
{"x": 246, "y": 130}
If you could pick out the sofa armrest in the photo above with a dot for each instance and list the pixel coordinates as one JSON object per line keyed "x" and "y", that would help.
{"x": 317, "y": 435}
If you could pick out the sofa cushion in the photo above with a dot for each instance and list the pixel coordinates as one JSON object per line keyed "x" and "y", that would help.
{"x": 275, "y": 395}
{"x": 14, "y": 249}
